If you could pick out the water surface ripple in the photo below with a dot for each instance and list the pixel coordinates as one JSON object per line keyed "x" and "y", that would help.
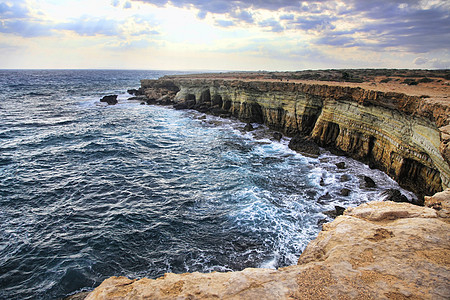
{"x": 89, "y": 191}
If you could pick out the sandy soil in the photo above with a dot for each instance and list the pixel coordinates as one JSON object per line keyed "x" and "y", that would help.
{"x": 438, "y": 90}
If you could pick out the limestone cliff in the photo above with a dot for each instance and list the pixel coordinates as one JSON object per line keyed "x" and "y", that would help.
{"x": 407, "y": 136}
{"x": 379, "y": 250}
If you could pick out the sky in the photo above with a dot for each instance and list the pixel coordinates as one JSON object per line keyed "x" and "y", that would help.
{"x": 250, "y": 35}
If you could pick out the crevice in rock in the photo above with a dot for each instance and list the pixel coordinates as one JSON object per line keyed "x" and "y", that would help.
{"x": 217, "y": 100}
{"x": 309, "y": 119}
{"x": 205, "y": 96}
{"x": 416, "y": 176}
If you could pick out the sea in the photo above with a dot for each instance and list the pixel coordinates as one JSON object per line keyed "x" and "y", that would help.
{"x": 89, "y": 191}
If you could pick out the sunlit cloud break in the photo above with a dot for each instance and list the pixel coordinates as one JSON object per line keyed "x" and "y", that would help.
{"x": 224, "y": 35}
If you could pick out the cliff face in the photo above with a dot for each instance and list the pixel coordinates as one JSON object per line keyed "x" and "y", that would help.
{"x": 379, "y": 250}
{"x": 405, "y": 136}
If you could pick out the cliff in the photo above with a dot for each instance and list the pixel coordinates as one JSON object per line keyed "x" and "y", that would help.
{"x": 405, "y": 135}
{"x": 379, "y": 250}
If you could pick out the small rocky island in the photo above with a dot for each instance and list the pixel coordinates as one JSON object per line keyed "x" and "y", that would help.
{"x": 394, "y": 120}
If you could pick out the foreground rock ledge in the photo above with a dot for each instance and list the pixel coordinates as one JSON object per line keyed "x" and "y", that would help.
{"x": 379, "y": 250}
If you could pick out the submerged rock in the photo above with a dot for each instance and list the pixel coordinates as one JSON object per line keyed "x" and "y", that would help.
{"x": 340, "y": 165}
{"x": 277, "y": 135}
{"x": 110, "y": 99}
{"x": 345, "y": 192}
{"x": 248, "y": 127}
{"x": 344, "y": 178}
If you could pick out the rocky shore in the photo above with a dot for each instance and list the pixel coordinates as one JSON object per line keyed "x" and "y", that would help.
{"x": 406, "y": 135}
{"x": 378, "y": 250}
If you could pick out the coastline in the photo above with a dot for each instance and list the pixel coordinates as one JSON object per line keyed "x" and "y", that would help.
{"x": 405, "y": 135}
{"x": 378, "y": 250}
{"x": 374, "y": 250}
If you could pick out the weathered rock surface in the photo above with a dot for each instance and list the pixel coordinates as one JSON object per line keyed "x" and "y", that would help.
{"x": 406, "y": 136}
{"x": 379, "y": 250}
{"x": 304, "y": 145}
{"x": 440, "y": 202}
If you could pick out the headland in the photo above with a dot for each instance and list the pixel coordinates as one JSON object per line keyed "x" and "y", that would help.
{"x": 394, "y": 120}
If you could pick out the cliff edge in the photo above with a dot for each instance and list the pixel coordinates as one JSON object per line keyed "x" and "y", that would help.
{"x": 406, "y": 135}
{"x": 379, "y": 250}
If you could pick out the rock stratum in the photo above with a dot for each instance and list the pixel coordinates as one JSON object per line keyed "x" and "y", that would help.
{"x": 406, "y": 135}
{"x": 378, "y": 250}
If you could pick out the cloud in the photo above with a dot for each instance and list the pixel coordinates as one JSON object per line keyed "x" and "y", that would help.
{"x": 131, "y": 45}
{"x": 224, "y": 23}
{"x": 13, "y": 11}
{"x": 127, "y": 5}
{"x": 243, "y": 15}
{"x": 272, "y": 25}
{"x": 87, "y": 26}
{"x": 318, "y": 23}
{"x": 15, "y": 19}
{"x": 434, "y": 62}
{"x": 25, "y": 28}
{"x": 415, "y": 25}
{"x": 289, "y": 17}
{"x": 420, "y": 61}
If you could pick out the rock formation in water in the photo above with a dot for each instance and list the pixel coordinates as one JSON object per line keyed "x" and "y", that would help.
{"x": 110, "y": 99}
{"x": 379, "y": 250}
{"x": 406, "y": 136}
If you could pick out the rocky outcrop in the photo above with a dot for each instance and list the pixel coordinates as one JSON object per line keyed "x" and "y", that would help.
{"x": 379, "y": 250}
{"x": 110, "y": 99}
{"x": 406, "y": 136}
{"x": 440, "y": 202}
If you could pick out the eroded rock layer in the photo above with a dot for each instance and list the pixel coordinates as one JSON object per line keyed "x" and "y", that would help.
{"x": 405, "y": 136}
{"x": 379, "y": 250}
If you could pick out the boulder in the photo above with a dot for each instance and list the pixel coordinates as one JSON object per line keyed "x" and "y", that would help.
{"x": 344, "y": 178}
{"x": 394, "y": 195}
{"x": 110, "y": 99}
{"x": 340, "y": 165}
{"x": 345, "y": 192}
{"x": 338, "y": 211}
{"x": 440, "y": 202}
{"x": 248, "y": 127}
{"x": 304, "y": 144}
{"x": 277, "y": 135}
{"x": 369, "y": 183}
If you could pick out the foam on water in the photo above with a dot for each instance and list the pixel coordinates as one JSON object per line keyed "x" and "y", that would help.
{"x": 89, "y": 191}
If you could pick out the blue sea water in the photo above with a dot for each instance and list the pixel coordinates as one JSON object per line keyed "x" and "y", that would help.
{"x": 89, "y": 191}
